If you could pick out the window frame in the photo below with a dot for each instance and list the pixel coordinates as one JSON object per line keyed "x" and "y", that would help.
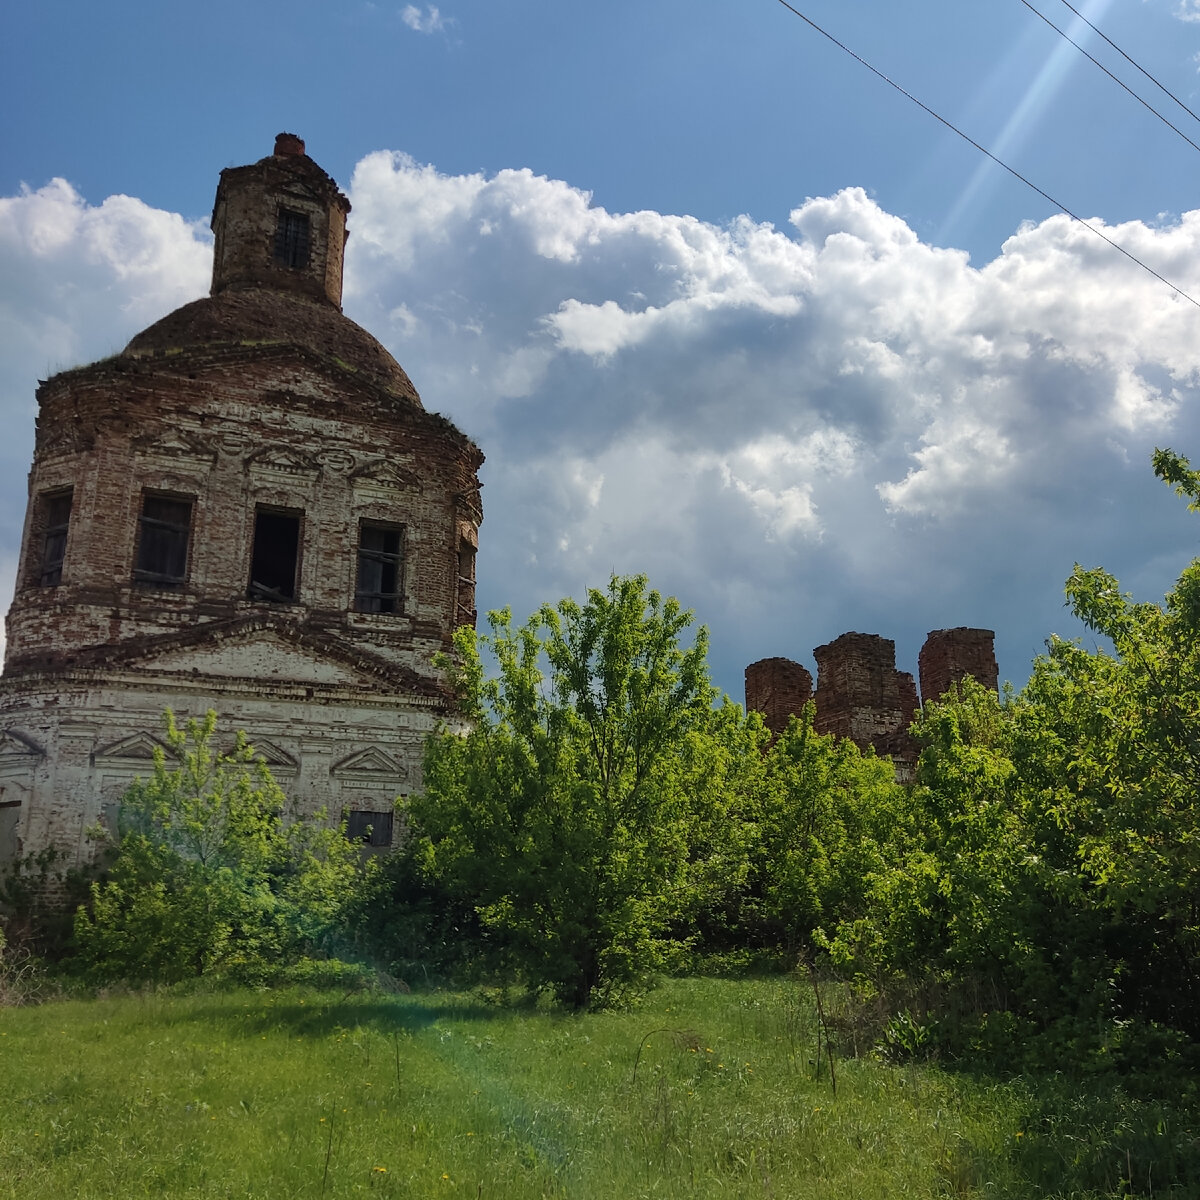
{"x": 464, "y": 584}
{"x": 261, "y": 596}
{"x": 292, "y": 244}
{"x": 375, "y": 601}
{"x": 46, "y": 529}
{"x": 146, "y": 576}
{"x": 369, "y": 833}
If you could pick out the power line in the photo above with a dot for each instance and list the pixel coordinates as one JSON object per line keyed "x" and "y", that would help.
{"x": 988, "y": 154}
{"x": 1120, "y": 82}
{"x": 1161, "y": 87}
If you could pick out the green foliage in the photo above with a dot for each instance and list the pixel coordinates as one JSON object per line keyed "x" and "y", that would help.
{"x": 802, "y": 824}
{"x": 829, "y": 813}
{"x": 565, "y": 816}
{"x": 33, "y": 916}
{"x": 948, "y": 898}
{"x": 207, "y": 877}
{"x": 267, "y": 1094}
{"x": 1051, "y": 865}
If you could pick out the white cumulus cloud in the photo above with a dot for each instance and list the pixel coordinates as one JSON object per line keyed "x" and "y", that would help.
{"x": 798, "y": 431}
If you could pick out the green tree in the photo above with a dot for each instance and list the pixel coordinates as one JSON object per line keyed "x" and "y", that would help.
{"x": 1054, "y": 862}
{"x": 829, "y": 813}
{"x": 566, "y": 815}
{"x": 206, "y": 876}
{"x": 945, "y": 898}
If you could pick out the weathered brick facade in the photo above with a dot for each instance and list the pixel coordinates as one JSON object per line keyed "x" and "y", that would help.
{"x": 247, "y": 509}
{"x": 777, "y": 688}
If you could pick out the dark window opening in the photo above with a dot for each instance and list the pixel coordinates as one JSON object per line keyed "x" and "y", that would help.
{"x": 380, "y": 568}
{"x": 291, "y": 239}
{"x": 162, "y": 550}
{"x": 275, "y": 556}
{"x": 370, "y": 828}
{"x": 56, "y": 517}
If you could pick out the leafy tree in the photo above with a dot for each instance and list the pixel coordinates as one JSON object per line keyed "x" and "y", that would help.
{"x": 943, "y": 899}
{"x": 1053, "y": 865}
{"x": 829, "y": 812}
{"x": 805, "y": 819}
{"x": 207, "y": 877}
{"x": 566, "y": 815}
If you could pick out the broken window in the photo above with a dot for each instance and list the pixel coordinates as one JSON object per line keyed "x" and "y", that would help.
{"x": 55, "y": 518}
{"x": 380, "y": 568}
{"x": 369, "y": 828}
{"x": 275, "y": 556}
{"x": 162, "y": 550}
{"x": 291, "y": 239}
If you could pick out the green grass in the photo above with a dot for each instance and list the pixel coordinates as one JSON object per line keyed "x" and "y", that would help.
{"x": 311, "y": 1094}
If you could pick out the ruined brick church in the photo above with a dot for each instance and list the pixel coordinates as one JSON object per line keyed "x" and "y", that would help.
{"x": 247, "y": 509}
{"x": 861, "y": 695}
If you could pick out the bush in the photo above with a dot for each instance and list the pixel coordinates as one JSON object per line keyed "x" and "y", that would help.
{"x": 207, "y": 878}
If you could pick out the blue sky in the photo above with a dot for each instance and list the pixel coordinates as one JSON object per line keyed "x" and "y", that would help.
{"x": 717, "y": 303}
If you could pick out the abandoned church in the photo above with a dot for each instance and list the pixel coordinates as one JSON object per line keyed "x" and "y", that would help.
{"x": 861, "y": 696}
{"x": 247, "y": 509}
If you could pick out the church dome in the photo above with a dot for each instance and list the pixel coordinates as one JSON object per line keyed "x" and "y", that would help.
{"x": 279, "y": 228}
{"x": 261, "y": 316}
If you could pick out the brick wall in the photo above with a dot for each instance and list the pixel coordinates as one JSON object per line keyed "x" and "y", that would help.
{"x": 951, "y": 654}
{"x": 858, "y": 687}
{"x": 777, "y": 688}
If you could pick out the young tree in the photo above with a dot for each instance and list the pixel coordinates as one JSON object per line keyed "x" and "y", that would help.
{"x": 206, "y": 876}
{"x": 565, "y": 815}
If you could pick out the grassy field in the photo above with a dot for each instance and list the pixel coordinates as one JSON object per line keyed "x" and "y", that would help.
{"x": 313, "y": 1094}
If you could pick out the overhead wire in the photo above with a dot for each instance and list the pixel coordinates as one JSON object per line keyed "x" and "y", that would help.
{"x": 988, "y": 154}
{"x": 1116, "y": 79}
{"x": 1132, "y": 62}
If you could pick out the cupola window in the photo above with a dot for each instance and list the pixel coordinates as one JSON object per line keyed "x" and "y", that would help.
{"x": 291, "y": 239}
{"x": 275, "y": 556}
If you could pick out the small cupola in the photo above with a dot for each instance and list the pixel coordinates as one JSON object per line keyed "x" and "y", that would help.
{"x": 280, "y": 223}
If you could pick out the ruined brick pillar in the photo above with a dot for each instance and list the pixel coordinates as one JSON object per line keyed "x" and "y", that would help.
{"x": 858, "y": 688}
{"x": 861, "y": 696}
{"x": 909, "y": 703}
{"x": 951, "y": 654}
{"x": 777, "y": 688}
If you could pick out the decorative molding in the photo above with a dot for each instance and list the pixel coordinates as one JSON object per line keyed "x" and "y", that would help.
{"x": 371, "y": 761}
{"x": 139, "y": 746}
{"x": 173, "y": 445}
{"x": 17, "y": 747}
{"x": 382, "y": 474}
{"x": 338, "y": 461}
{"x": 282, "y": 462}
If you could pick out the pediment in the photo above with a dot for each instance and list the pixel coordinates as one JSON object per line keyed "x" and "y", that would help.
{"x": 174, "y": 444}
{"x": 282, "y": 460}
{"x": 19, "y": 747}
{"x": 279, "y": 760}
{"x": 265, "y": 651}
{"x": 372, "y": 761}
{"x": 387, "y": 475}
{"x": 139, "y": 746}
